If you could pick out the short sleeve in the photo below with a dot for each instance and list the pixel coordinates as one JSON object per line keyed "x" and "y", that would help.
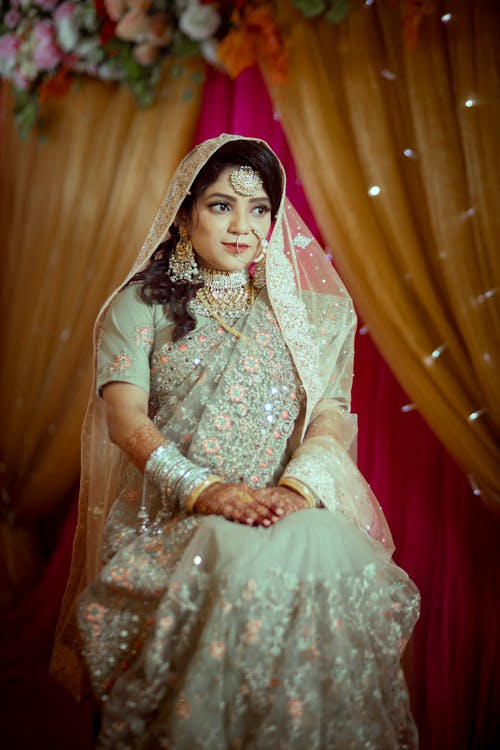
{"x": 126, "y": 342}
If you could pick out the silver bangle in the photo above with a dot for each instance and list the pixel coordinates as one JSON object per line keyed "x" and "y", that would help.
{"x": 174, "y": 474}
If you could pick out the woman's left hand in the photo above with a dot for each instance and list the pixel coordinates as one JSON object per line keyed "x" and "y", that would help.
{"x": 281, "y": 501}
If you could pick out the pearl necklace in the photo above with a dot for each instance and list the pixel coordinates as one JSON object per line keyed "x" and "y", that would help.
{"x": 224, "y": 294}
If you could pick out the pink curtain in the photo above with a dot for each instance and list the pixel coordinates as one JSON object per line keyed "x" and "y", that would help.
{"x": 448, "y": 544}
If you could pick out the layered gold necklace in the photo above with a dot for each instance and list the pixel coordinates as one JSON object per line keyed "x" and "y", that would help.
{"x": 224, "y": 294}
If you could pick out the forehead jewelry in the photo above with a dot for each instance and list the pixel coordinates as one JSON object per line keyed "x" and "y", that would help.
{"x": 245, "y": 181}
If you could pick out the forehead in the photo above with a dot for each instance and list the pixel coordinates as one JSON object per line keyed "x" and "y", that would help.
{"x": 223, "y": 185}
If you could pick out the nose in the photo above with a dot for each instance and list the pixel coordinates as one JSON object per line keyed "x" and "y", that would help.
{"x": 239, "y": 223}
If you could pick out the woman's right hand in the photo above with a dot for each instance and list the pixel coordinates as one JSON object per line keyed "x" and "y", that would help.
{"x": 236, "y": 502}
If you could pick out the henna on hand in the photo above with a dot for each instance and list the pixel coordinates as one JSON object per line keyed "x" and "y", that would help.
{"x": 236, "y": 502}
{"x": 281, "y": 500}
{"x": 142, "y": 442}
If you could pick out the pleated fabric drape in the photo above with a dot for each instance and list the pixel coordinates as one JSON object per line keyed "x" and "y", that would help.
{"x": 74, "y": 209}
{"x": 397, "y": 149}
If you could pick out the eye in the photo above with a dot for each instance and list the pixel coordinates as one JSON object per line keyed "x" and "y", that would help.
{"x": 261, "y": 210}
{"x": 220, "y": 207}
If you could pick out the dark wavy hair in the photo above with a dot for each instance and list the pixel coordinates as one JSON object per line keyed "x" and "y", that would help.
{"x": 157, "y": 287}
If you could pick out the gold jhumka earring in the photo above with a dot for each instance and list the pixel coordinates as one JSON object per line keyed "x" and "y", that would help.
{"x": 182, "y": 265}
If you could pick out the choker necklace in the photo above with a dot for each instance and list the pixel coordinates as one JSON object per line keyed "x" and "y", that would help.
{"x": 224, "y": 294}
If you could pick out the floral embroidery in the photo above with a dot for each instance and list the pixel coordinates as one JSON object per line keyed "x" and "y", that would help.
{"x": 222, "y": 422}
{"x": 295, "y": 708}
{"x": 237, "y": 392}
{"x": 251, "y": 364}
{"x": 262, "y": 338}
{"x": 121, "y": 362}
{"x": 211, "y": 445}
{"x": 251, "y": 634}
{"x": 183, "y": 709}
{"x": 144, "y": 336}
{"x": 301, "y": 241}
{"x": 94, "y": 612}
{"x": 217, "y": 649}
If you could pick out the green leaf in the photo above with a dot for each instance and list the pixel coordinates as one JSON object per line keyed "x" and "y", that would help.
{"x": 25, "y": 111}
{"x": 310, "y": 8}
{"x": 183, "y": 46}
{"x": 338, "y": 11}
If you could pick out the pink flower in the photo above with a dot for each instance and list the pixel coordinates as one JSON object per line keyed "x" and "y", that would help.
{"x": 115, "y": 8}
{"x": 9, "y": 44}
{"x": 20, "y": 81}
{"x": 65, "y": 10}
{"x": 46, "y": 54}
{"x": 159, "y": 31}
{"x": 12, "y": 18}
{"x": 47, "y": 4}
{"x": 133, "y": 26}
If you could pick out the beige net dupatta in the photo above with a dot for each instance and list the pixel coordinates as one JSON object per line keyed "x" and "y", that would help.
{"x": 317, "y": 320}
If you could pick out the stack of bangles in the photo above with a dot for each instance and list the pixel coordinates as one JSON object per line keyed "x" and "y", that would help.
{"x": 177, "y": 476}
{"x": 297, "y": 486}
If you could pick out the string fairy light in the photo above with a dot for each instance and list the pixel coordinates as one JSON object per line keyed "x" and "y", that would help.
{"x": 374, "y": 190}
{"x": 410, "y": 153}
{"x": 471, "y": 101}
{"x": 476, "y": 414}
{"x": 388, "y": 74}
{"x": 433, "y": 356}
{"x": 474, "y": 485}
{"x": 467, "y": 214}
{"x": 408, "y": 407}
{"x": 363, "y": 330}
{"x": 446, "y": 17}
{"x": 488, "y": 294}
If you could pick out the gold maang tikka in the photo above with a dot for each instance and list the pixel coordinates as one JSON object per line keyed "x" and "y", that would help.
{"x": 246, "y": 182}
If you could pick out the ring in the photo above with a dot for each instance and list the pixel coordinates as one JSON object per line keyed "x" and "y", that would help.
{"x": 245, "y": 497}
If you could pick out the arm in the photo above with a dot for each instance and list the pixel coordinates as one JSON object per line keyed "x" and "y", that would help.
{"x": 128, "y": 423}
{"x": 131, "y": 429}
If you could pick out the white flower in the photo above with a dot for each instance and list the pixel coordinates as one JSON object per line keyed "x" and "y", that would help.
{"x": 67, "y": 34}
{"x": 199, "y": 22}
{"x": 208, "y": 49}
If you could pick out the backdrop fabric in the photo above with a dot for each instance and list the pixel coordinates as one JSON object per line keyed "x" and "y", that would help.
{"x": 445, "y": 539}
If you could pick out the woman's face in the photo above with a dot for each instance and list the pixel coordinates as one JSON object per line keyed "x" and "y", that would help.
{"x": 224, "y": 227}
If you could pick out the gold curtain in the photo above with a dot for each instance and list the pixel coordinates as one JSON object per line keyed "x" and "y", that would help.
{"x": 398, "y": 152}
{"x": 74, "y": 210}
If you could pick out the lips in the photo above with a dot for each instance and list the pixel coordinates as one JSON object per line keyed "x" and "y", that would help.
{"x": 236, "y": 248}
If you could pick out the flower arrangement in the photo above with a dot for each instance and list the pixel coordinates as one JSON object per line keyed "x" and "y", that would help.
{"x": 46, "y": 44}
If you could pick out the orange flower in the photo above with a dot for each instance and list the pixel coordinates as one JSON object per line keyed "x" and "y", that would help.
{"x": 57, "y": 85}
{"x": 237, "y": 51}
{"x": 256, "y": 38}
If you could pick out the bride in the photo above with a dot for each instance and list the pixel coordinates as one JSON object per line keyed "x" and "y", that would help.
{"x": 233, "y": 569}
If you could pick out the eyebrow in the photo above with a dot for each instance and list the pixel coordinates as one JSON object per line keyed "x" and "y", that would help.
{"x": 232, "y": 198}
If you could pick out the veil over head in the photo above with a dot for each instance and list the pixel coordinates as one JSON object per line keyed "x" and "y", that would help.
{"x": 317, "y": 321}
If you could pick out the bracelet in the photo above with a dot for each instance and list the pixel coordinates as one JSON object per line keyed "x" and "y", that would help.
{"x": 174, "y": 474}
{"x": 301, "y": 489}
{"x": 194, "y": 495}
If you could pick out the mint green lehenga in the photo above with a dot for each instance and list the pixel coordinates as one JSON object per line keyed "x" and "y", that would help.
{"x": 202, "y": 633}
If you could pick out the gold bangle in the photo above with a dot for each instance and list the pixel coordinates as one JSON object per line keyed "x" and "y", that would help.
{"x": 193, "y": 497}
{"x": 300, "y": 487}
